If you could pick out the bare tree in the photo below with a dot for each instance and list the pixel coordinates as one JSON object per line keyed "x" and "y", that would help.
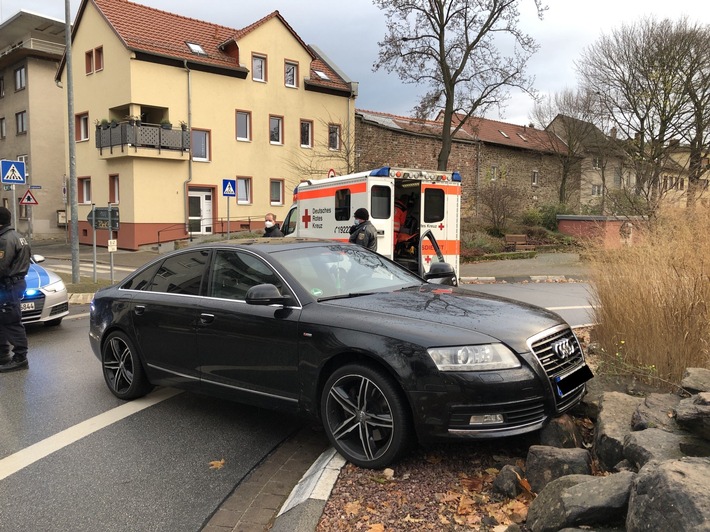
{"x": 644, "y": 76}
{"x": 501, "y": 203}
{"x": 452, "y": 46}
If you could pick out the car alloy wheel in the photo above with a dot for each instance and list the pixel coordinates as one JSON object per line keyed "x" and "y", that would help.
{"x": 123, "y": 372}
{"x": 364, "y": 416}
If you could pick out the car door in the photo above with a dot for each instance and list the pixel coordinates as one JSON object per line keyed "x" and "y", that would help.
{"x": 165, "y": 315}
{"x": 248, "y": 352}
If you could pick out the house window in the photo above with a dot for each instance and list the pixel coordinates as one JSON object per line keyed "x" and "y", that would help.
{"x": 596, "y": 190}
{"x": 84, "y": 189}
{"x": 81, "y": 127}
{"x": 682, "y": 183}
{"x": 21, "y": 122}
{"x": 99, "y": 58}
{"x": 291, "y": 74}
{"x": 597, "y": 162}
{"x": 3, "y": 128}
{"x": 113, "y": 189}
{"x": 276, "y": 192}
{"x": 494, "y": 173}
{"x": 244, "y": 190}
{"x": 89, "y": 61}
{"x": 2, "y": 87}
{"x": 276, "y": 130}
{"x": 20, "y": 78}
{"x": 243, "y": 125}
{"x": 306, "y": 134}
{"x": 618, "y": 181}
{"x": 535, "y": 178}
{"x": 333, "y": 137}
{"x": 196, "y": 48}
{"x": 258, "y": 68}
{"x": 200, "y": 145}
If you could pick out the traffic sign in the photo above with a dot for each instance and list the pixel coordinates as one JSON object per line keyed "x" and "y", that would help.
{"x": 99, "y": 218}
{"x": 28, "y": 199}
{"x": 229, "y": 187}
{"x": 12, "y": 172}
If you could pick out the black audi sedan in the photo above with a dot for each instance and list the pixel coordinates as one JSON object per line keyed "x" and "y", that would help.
{"x": 380, "y": 356}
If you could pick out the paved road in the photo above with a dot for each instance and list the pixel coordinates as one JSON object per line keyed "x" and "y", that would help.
{"x": 74, "y": 457}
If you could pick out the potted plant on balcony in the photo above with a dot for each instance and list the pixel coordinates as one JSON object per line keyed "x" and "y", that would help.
{"x": 134, "y": 120}
{"x": 166, "y": 124}
{"x": 104, "y": 124}
{"x": 183, "y": 125}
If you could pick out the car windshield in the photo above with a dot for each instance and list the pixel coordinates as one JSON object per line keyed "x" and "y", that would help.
{"x": 338, "y": 270}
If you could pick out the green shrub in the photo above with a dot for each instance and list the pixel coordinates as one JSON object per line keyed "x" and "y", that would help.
{"x": 531, "y": 218}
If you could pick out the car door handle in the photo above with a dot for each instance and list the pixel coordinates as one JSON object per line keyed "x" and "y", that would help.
{"x": 206, "y": 318}
{"x": 139, "y": 309}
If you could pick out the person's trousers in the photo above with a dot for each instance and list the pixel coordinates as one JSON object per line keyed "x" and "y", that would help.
{"x": 13, "y": 332}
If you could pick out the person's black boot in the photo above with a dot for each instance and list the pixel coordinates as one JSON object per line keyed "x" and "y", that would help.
{"x": 17, "y": 362}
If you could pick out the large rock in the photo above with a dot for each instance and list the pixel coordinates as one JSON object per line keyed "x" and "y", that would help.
{"x": 671, "y": 495}
{"x": 613, "y": 424}
{"x": 545, "y": 464}
{"x": 580, "y": 500}
{"x": 693, "y": 414}
{"x": 696, "y": 380}
{"x": 561, "y": 432}
{"x": 656, "y": 411}
{"x": 656, "y": 444}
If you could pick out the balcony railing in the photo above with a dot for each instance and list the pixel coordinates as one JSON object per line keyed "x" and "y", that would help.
{"x": 35, "y": 44}
{"x": 125, "y": 136}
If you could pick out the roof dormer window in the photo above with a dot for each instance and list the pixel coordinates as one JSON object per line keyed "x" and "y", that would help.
{"x": 322, "y": 75}
{"x": 196, "y": 48}
{"x": 503, "y": 133}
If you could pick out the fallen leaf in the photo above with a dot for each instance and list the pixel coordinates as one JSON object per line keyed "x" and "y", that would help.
{"x": 472, "y": 484}
{"x": 525, "y": 485}
{"x": 352, "y": 508}
{"x": 217, "y": 464}
{"x": 465, "y": 506}
{"x": 388, "y": 473}
{"x": 444, "y": 520}
{"x": 410, "y": 519}
{"x": 377, "y": 527}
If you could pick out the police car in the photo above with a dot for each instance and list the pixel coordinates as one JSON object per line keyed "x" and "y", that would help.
{"x": 46, "y": 299}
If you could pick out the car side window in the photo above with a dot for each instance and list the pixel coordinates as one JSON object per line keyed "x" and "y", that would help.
{"x": 233, "y": 273}
{"x": 181, "y": 274}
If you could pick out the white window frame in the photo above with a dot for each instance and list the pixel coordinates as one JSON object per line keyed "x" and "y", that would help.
{"x": 82, "y": 121}
{"x": 280, "y": 200}
{"x": 244, "y": 191}
{"x": 255, "y": 74}
{"x": 280, "y": 121}
{"x": 535, "y": 178}
{"x": 247, "y": 115}
{"x": 21, "y": 122}
{"x": 85, "y": 183}
{"x": 113, "y": 183}
{"x": 309, "y": 123}
{"x": 20, "y": 78}
{"x": 193, "y": 144}
{"x": 293, "y": 66}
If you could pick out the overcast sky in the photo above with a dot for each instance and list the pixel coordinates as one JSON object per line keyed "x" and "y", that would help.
{"x": 348, "y": 34}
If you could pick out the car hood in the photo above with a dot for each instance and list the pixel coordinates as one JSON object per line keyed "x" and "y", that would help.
{"x": 37, "y": 277}
{"x": 430, "y": 313}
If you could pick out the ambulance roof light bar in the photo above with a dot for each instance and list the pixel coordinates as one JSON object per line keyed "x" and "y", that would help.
{"x": 404, "y": 173}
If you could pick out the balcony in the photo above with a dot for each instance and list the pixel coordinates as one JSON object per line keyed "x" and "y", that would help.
{"x": 125, "y": 139}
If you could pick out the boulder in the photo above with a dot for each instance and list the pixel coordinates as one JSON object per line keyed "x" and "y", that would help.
{"x": 693, "y": 414}
{"x": 561, "y": 432}
{"x": 507, "y": 482}
{"x": 671, "y": 495}
{"x": 656, "y": 411}
{"x": 696, "y": 380}
{"x": 613, "y": 424}
{"x": 545, "y": 464}
{"x": 656, "y": 444}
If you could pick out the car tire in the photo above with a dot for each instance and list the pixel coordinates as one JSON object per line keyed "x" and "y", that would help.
{"x": 123, "y": 371}
{"x": 365, "y": 416}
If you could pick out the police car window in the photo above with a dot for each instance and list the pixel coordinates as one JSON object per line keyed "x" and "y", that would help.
{"x": 380, "y": 202}
{"x": 342, "y": 204}
{"x": 434, "y": 205}
{"x": 181, "y": 274}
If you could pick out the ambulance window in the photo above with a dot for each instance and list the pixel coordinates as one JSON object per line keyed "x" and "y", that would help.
{"x": 381, "y": 201}
{"x": 433, "y": 205}
{"x": 342, "y": 204}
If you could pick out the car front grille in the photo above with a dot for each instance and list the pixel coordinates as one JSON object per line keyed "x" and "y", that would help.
{"x": 58, "y": 309}
{"x": 559, "y": 352}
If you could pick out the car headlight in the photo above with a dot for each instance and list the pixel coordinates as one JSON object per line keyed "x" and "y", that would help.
{"x": 55, "y": 287}
{"x": 473, "y": 357}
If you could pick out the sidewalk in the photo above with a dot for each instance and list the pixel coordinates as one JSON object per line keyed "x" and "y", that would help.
{"x": 272, "y": 497}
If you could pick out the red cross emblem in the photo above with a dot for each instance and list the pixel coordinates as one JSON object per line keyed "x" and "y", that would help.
{"x": 441, "y": 227}
{"x": 306, "y": 218}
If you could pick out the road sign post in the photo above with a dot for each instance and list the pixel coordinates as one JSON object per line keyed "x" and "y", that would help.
{"x": 229, "y": 190}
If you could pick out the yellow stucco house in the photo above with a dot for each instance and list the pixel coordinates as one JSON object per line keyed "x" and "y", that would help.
{"x": 173, "y": 115}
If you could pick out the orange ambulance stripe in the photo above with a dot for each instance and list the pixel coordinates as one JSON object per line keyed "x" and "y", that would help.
{"x": 448, "y": 190}
{"x": 330, "y": 192}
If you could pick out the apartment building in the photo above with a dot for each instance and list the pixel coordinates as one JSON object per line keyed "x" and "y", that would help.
{"x": 32, "y": 111}
{"x": 174, "y": 115}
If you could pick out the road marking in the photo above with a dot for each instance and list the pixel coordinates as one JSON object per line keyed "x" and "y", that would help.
{"x": 77, "y": 316}
{"x": 580, "y": 307}
{"x": 35, "y": 452}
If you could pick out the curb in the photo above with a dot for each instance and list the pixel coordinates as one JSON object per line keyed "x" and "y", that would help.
{"x": 80, "y": 299}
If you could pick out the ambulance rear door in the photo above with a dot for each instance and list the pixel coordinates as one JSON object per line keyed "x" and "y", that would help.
{"x": 380, "y": 193}
{"x": 438, "y": 214}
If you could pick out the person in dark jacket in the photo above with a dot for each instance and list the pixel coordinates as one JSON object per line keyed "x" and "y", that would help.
{"x": 14, "y": 263}
{"x": 271, "y": 228}
{"x": 363, "y": 232}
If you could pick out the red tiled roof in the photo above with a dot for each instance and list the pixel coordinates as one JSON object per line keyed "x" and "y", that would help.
{"x": 155, "y": 32}
{"x": 475, "y": 129}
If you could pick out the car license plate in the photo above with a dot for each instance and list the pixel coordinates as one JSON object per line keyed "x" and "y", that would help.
{"x": 569, "y": 382}
{"x": 27, "y": 306}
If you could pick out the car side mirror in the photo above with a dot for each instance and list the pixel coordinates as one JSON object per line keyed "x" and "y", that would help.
{"x": 38, "y": 258}
{"x": 265, "y": 294}
{"x": 441, "y": 273}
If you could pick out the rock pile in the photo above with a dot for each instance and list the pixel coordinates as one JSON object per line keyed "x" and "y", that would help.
{"x": 654, "y": 456}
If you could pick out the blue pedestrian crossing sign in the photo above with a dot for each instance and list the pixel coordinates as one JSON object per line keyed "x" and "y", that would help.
{"x": 229, "y": 187}
{"x": 13, "y": 172}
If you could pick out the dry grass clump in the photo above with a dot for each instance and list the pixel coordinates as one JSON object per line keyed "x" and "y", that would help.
{"x": 653, "y": 300}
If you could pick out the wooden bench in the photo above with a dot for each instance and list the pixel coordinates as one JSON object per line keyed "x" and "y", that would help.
{"x": 518, "y": 243}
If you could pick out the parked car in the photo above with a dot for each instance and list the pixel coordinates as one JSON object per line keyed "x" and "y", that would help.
{"x": 46, "y": 300}
{"x": 338, "y": 333}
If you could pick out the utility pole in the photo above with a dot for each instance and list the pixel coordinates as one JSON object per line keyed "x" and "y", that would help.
{"x": 73, "y": 195}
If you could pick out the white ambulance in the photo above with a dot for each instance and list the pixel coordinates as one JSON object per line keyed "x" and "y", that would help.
{"x": 430, "y": 234}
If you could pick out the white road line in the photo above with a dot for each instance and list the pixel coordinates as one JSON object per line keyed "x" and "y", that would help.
{"x": 572, "y": 308}
{"x": 29, "y": 455}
